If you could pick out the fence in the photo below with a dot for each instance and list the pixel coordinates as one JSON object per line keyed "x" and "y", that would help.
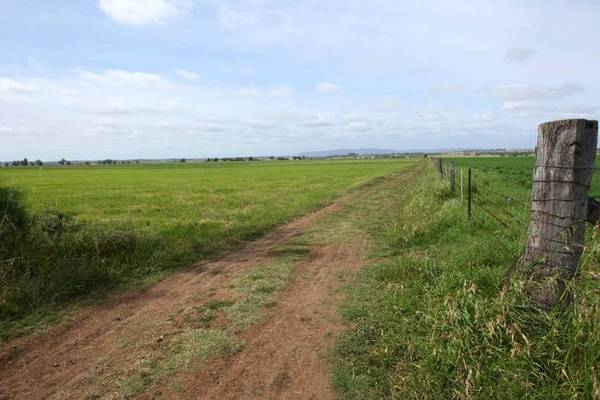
{"x": 555, "y": 210}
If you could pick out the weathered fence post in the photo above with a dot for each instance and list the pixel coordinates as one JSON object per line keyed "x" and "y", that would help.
{"x": 452, "y": 178}
{"x": 461, "y": 186}
{"x": 565, "y": 156}
{"x": 469, "y": 194}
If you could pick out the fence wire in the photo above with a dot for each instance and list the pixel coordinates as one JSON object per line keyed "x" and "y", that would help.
{"x": 511, "y": 212}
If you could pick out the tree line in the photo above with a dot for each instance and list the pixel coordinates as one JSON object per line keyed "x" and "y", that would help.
{"x": 24, "y": 163}
{"x": 38, "y": 163}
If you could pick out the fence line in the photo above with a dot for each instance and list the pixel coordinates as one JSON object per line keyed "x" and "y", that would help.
{"x": 474, "y": 192}
{"x": 558, "y": 206}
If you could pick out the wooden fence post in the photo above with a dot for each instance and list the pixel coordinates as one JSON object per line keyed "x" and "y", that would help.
{"x": 469, "y": 194}
{"x": 462, "y": 196}
{"x": 565, "y": 156}
{"x": 452, "y": 178}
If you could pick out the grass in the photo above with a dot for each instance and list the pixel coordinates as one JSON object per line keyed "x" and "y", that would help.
{"x": 428, "y": 318}
{"x": 73, "y": 233}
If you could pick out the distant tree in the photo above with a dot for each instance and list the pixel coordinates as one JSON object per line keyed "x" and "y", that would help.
{"x": 39, "y": 163}
{"x": 182, "y": 160}
{"x": 62, "y": 161}
{"x": 68, "y": 162}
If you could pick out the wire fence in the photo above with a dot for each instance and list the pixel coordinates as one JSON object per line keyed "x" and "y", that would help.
{"x": 485, "y": 202}
{"x": 496, "y": 200}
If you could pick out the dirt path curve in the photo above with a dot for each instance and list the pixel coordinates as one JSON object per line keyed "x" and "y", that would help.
{"x": 284, "y": 356}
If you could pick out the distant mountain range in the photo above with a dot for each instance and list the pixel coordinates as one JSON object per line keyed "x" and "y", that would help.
{"x": 343, "y": 152}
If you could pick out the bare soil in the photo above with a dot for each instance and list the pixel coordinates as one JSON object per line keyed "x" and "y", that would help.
{"x": 284, "y": 357}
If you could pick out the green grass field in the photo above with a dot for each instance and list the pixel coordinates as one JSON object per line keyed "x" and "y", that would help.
{"x": 92, "y": 228}
{"x": 428, "y": 319}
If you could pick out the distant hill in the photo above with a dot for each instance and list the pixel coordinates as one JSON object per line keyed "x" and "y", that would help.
{"x": 343, "y": 152}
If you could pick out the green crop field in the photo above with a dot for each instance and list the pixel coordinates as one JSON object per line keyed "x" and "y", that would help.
{"x": 78, "y": 230}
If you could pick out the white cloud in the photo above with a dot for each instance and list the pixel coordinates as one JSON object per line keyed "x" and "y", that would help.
{"x": 521, "y": 92}
{"x": 120, "y": 77}
{"x": 328, "y": 87}
{"x": 484, "y": 117}
{"x": 280, "y": 91}
{"x": 141, "y": 12}
{"x": 357, "y": 126}
{"x": 518, "y": 55}
{"x": 236, "y": 17}
{"x": 262, "y": 125}
{"x": 520, "y": 105}
{"x": 274, "y": 92}
{"x": 16, "y": 131}
{"x": 387, "y": 105}
{"x": 192, "y": 76}
{"x": 14, "y": 86}
{"x": 249, "y": 92}
{"x": 128, "y": 107}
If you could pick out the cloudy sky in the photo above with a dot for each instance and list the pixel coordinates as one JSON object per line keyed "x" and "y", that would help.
{"x": 89, "y": 79}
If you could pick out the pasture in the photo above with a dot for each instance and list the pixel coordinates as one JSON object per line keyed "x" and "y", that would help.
{"x": 93, "y": 228}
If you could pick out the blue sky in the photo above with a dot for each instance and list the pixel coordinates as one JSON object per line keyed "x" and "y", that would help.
{"x": 90, "y": 79}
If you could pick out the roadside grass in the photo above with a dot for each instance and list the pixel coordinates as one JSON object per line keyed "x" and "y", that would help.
{"x": 130, "y": 225}
{"x": 429, "y": 321}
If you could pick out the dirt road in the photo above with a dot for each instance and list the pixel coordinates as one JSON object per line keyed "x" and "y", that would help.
{"x": 284, "y": 355}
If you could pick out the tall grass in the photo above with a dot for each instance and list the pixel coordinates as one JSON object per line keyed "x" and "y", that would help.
{"x": 47, "y": 259}
{"x": 431, "y": 321}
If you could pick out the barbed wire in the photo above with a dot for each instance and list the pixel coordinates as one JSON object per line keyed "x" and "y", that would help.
{"x": 502, "y": 209}
{"x": 512, "y": 213}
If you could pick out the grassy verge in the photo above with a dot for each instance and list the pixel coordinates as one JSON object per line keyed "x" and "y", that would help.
{"x": 429, "y": 320}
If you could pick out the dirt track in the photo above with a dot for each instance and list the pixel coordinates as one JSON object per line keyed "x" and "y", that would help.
{"x": 284, "y": 357}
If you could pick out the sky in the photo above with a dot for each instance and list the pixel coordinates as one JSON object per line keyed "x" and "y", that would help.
{"x": 95, "y": 79}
